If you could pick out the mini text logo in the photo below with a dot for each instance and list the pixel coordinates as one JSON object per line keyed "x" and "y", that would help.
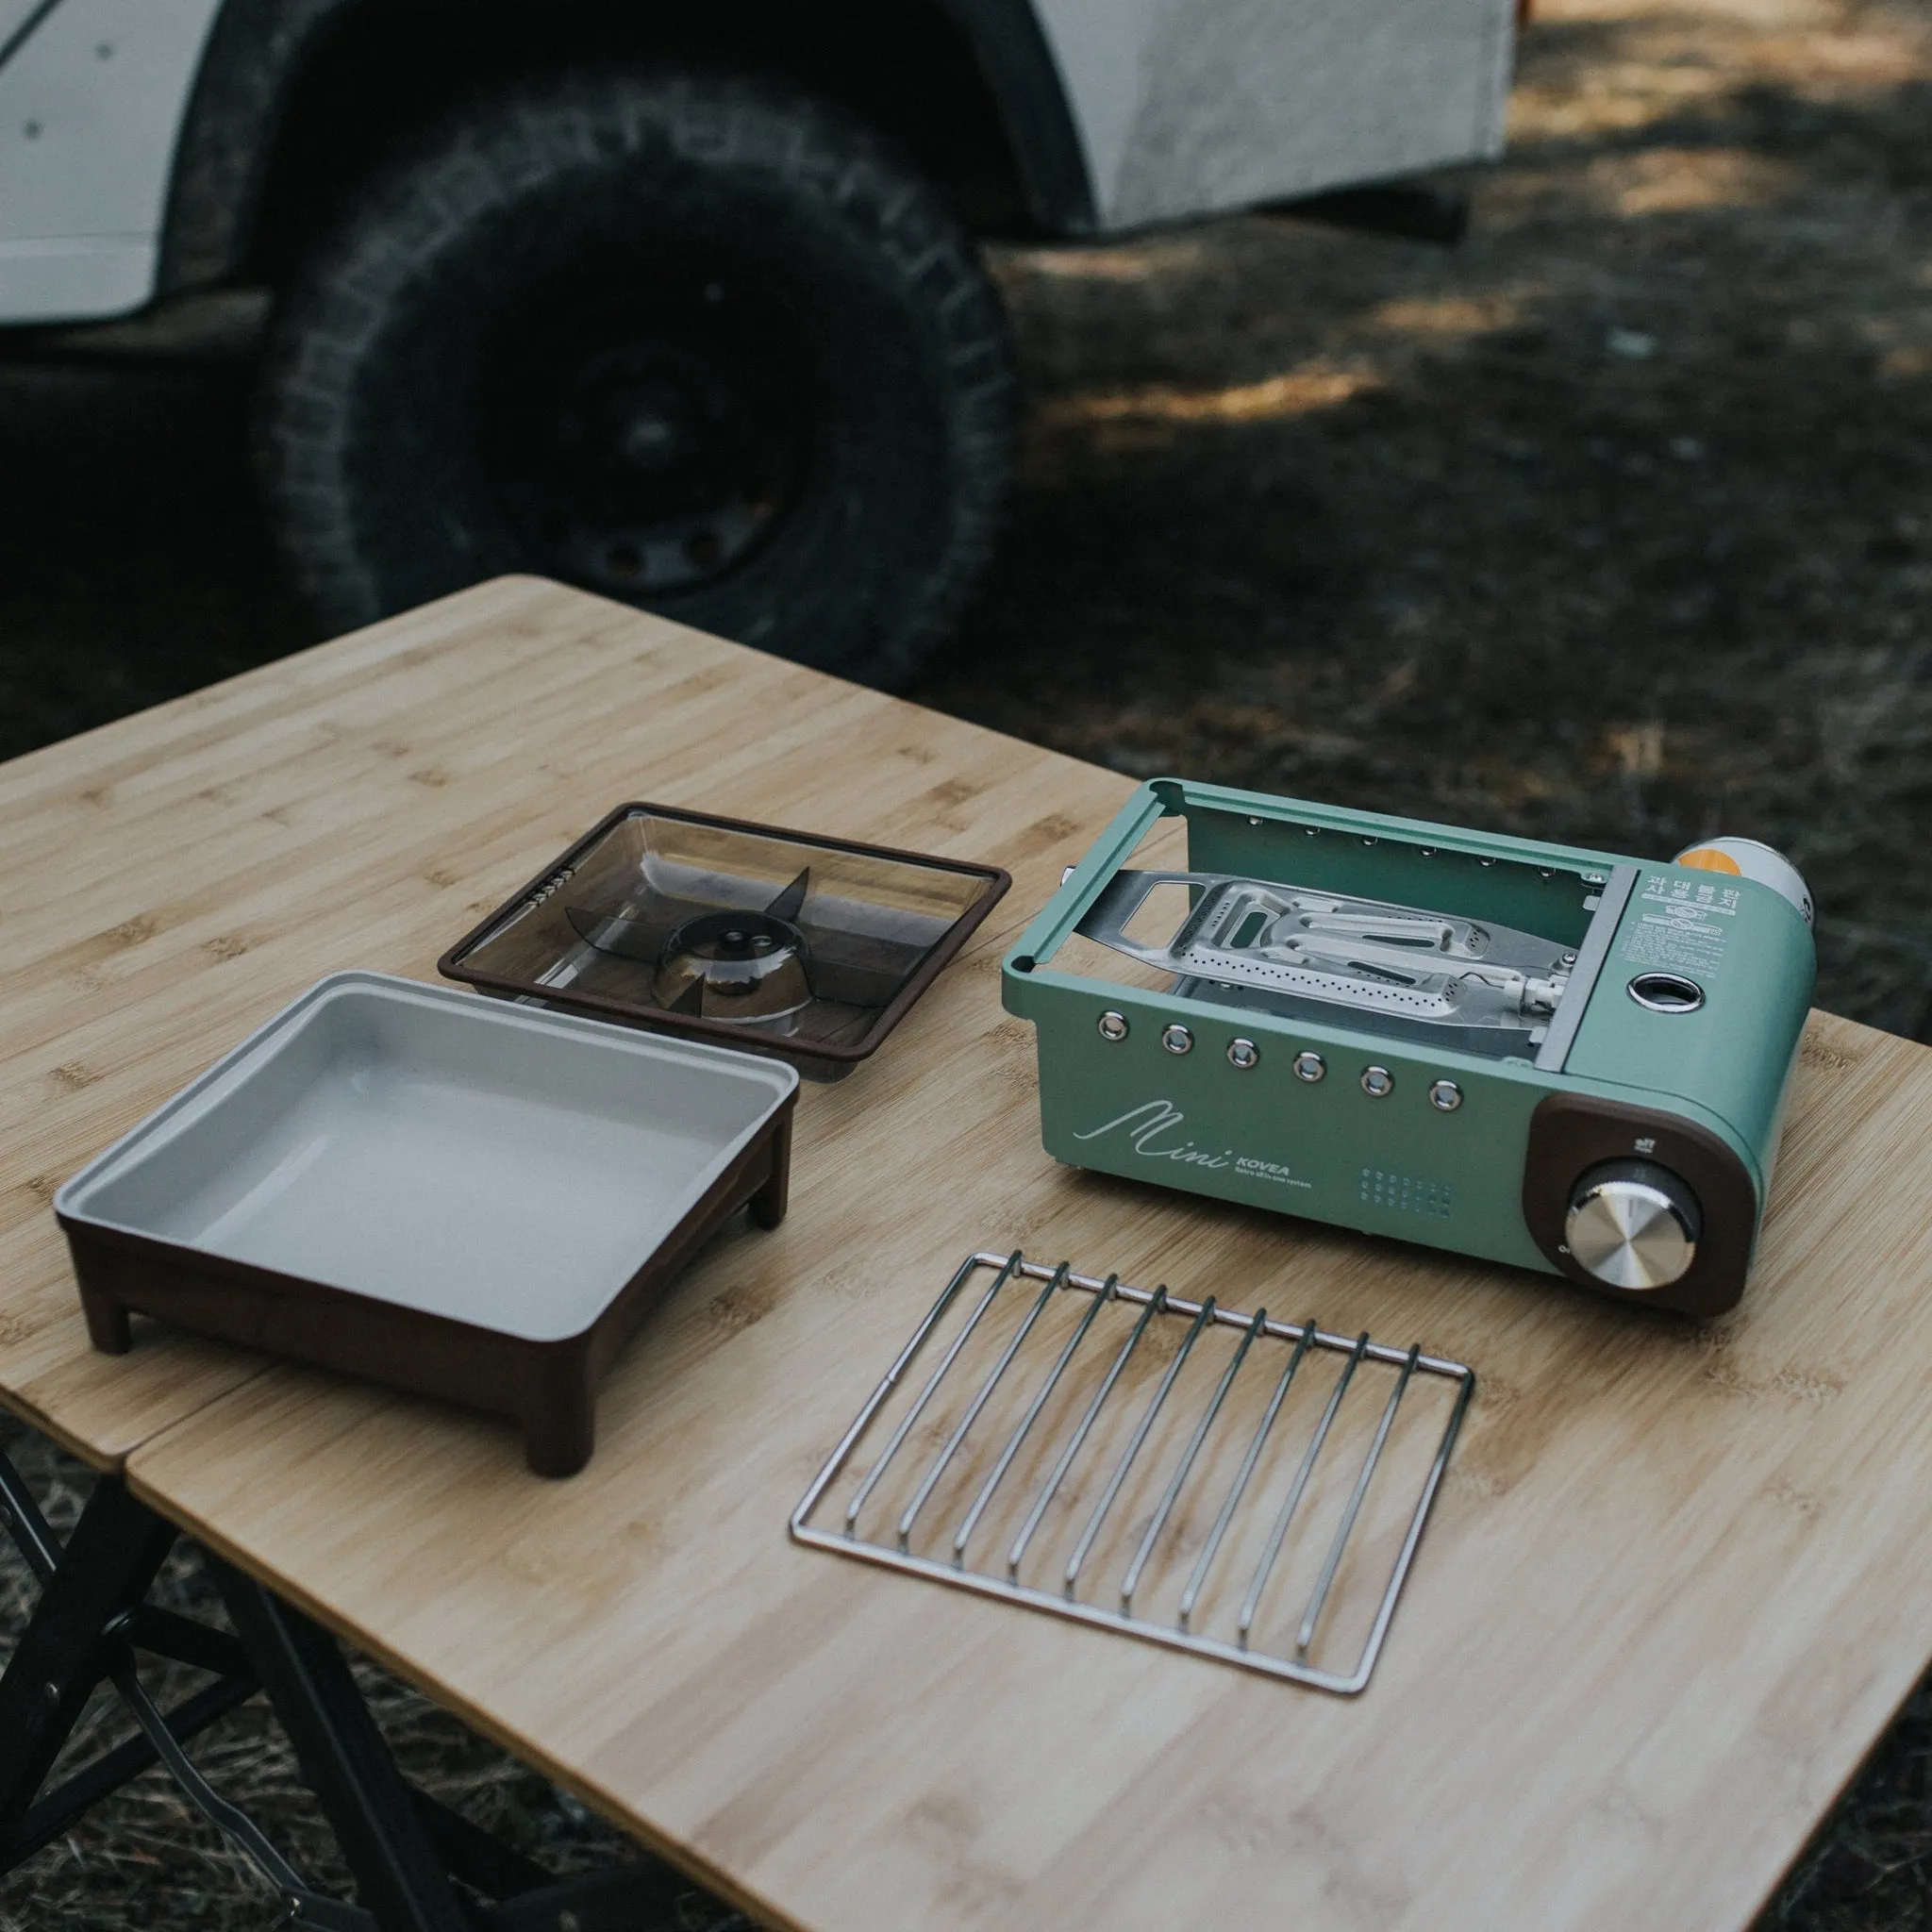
{"x": 1145, "y": 1124}
{"x": 1153, "y": 1128}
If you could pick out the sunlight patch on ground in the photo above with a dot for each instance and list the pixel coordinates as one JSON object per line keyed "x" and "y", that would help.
{"x": 1635, "y": 750}
{"x": 1294, "y": 392}
{"x": 1138, "y": 261}
{"x": 1448, "y": 315}
{"x": 1759, "y": 16}
{"x": 1669, "y": 180}
{"x": 1667, "y": 61}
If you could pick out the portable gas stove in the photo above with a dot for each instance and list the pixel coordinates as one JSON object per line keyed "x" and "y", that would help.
{"x": 1564, "y": 1059}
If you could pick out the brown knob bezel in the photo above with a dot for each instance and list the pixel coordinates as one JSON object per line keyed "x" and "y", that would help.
{"x": 1571, "y": 1133}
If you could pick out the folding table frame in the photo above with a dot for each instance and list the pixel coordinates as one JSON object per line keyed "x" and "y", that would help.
{"x": 418, "y": 1866}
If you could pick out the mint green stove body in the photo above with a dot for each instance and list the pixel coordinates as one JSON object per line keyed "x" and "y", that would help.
{"x": 1561, "y": 1059}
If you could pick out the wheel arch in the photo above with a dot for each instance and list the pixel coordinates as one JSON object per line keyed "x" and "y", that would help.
{"x": 296, "y": 101}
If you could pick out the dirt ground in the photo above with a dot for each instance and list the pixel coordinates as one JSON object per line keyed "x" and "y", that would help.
{"x": 1612, "y": 525}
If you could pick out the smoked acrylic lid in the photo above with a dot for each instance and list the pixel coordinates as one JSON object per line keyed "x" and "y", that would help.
{"x": 791, "y": 944}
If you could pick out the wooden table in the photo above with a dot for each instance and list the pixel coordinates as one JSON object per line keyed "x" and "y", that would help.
{"x": 1677, "y": 1581}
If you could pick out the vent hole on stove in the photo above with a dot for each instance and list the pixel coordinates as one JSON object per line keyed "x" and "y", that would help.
{"x": 1666, "y": 992}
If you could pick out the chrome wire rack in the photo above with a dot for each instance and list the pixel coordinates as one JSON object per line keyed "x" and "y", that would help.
{"x": 1048, "y": 1459}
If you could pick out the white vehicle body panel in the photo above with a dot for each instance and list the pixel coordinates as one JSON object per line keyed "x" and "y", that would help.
{"x": 15, "y": 14}
{"x": 1181, "y": 107}
{"x": 91, "y": 106}
{"x": 1195, "y": 107}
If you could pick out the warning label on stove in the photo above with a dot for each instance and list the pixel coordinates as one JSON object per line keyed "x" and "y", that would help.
{"x": 1681, "y": 925}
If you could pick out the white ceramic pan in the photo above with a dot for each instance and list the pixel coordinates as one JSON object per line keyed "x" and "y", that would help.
{"x": 469, "y": 1198}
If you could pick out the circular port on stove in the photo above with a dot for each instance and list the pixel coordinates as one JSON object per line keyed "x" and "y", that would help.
{"x": 1243, "y": 1054}
{"x": 1378, "y": 1083}
{"x": 1177, "y": 1039}
{"x": 1113, "y": 1026}
{"x": 1309, "y": 1067}
{"x": 1666, "y": 992}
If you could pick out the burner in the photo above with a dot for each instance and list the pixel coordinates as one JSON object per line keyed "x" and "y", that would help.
{"x": 1398, "y": 970}
{"x": 750, "y": 967}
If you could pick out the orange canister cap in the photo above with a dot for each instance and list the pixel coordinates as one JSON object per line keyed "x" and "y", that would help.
{"x": 1749, "y": 859}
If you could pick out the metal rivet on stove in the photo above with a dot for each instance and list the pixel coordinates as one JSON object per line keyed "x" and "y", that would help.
{"x": 1243, "y": 1054}
{"x": 1378, "y": 1083}
{"x": 1309, "y": 1067}
{"x": 1113, "y": 1025}
{"x": 1445, "y": 1097}
{"x": 1177, "y": 1039}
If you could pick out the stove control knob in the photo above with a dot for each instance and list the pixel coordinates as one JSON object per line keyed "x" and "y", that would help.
{"x": 1633, "y": 1224}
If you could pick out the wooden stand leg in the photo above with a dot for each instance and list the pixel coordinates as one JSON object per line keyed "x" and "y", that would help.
{"x": 107, "y": 1325}
{"x": 769, "y": 1203}
{"x": 559, "y": 1444}
{"x": 559, "y": 1415}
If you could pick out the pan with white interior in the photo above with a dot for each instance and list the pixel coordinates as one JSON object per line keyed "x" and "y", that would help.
{"x": 469, "y": 1199}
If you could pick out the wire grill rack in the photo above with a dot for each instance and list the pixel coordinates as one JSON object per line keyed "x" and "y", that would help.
{"x": 1169, "y": 1468}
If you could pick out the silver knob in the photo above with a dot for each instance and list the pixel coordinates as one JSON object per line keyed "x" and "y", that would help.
{"x": 1633, "y": 1224}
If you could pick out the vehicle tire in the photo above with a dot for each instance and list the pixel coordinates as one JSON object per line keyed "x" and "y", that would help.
{"x": 689, "y": 341}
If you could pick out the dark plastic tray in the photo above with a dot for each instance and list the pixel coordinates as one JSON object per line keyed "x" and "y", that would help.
{"x": 468, "y": 1200}
{"x": 805, "y": 948}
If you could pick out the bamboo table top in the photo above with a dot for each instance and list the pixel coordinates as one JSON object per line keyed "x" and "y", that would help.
{"x": 1677, "y": 1582}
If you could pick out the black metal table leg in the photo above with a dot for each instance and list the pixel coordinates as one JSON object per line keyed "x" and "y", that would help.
{"x": 404, "y": 1848}
{"x": 80, "y": 1632}
{"x": 116, "y": 1549}
{"x": 399, "y": 1877}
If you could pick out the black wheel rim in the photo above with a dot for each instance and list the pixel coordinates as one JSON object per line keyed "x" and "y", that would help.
{"x": 648, "y": 442}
